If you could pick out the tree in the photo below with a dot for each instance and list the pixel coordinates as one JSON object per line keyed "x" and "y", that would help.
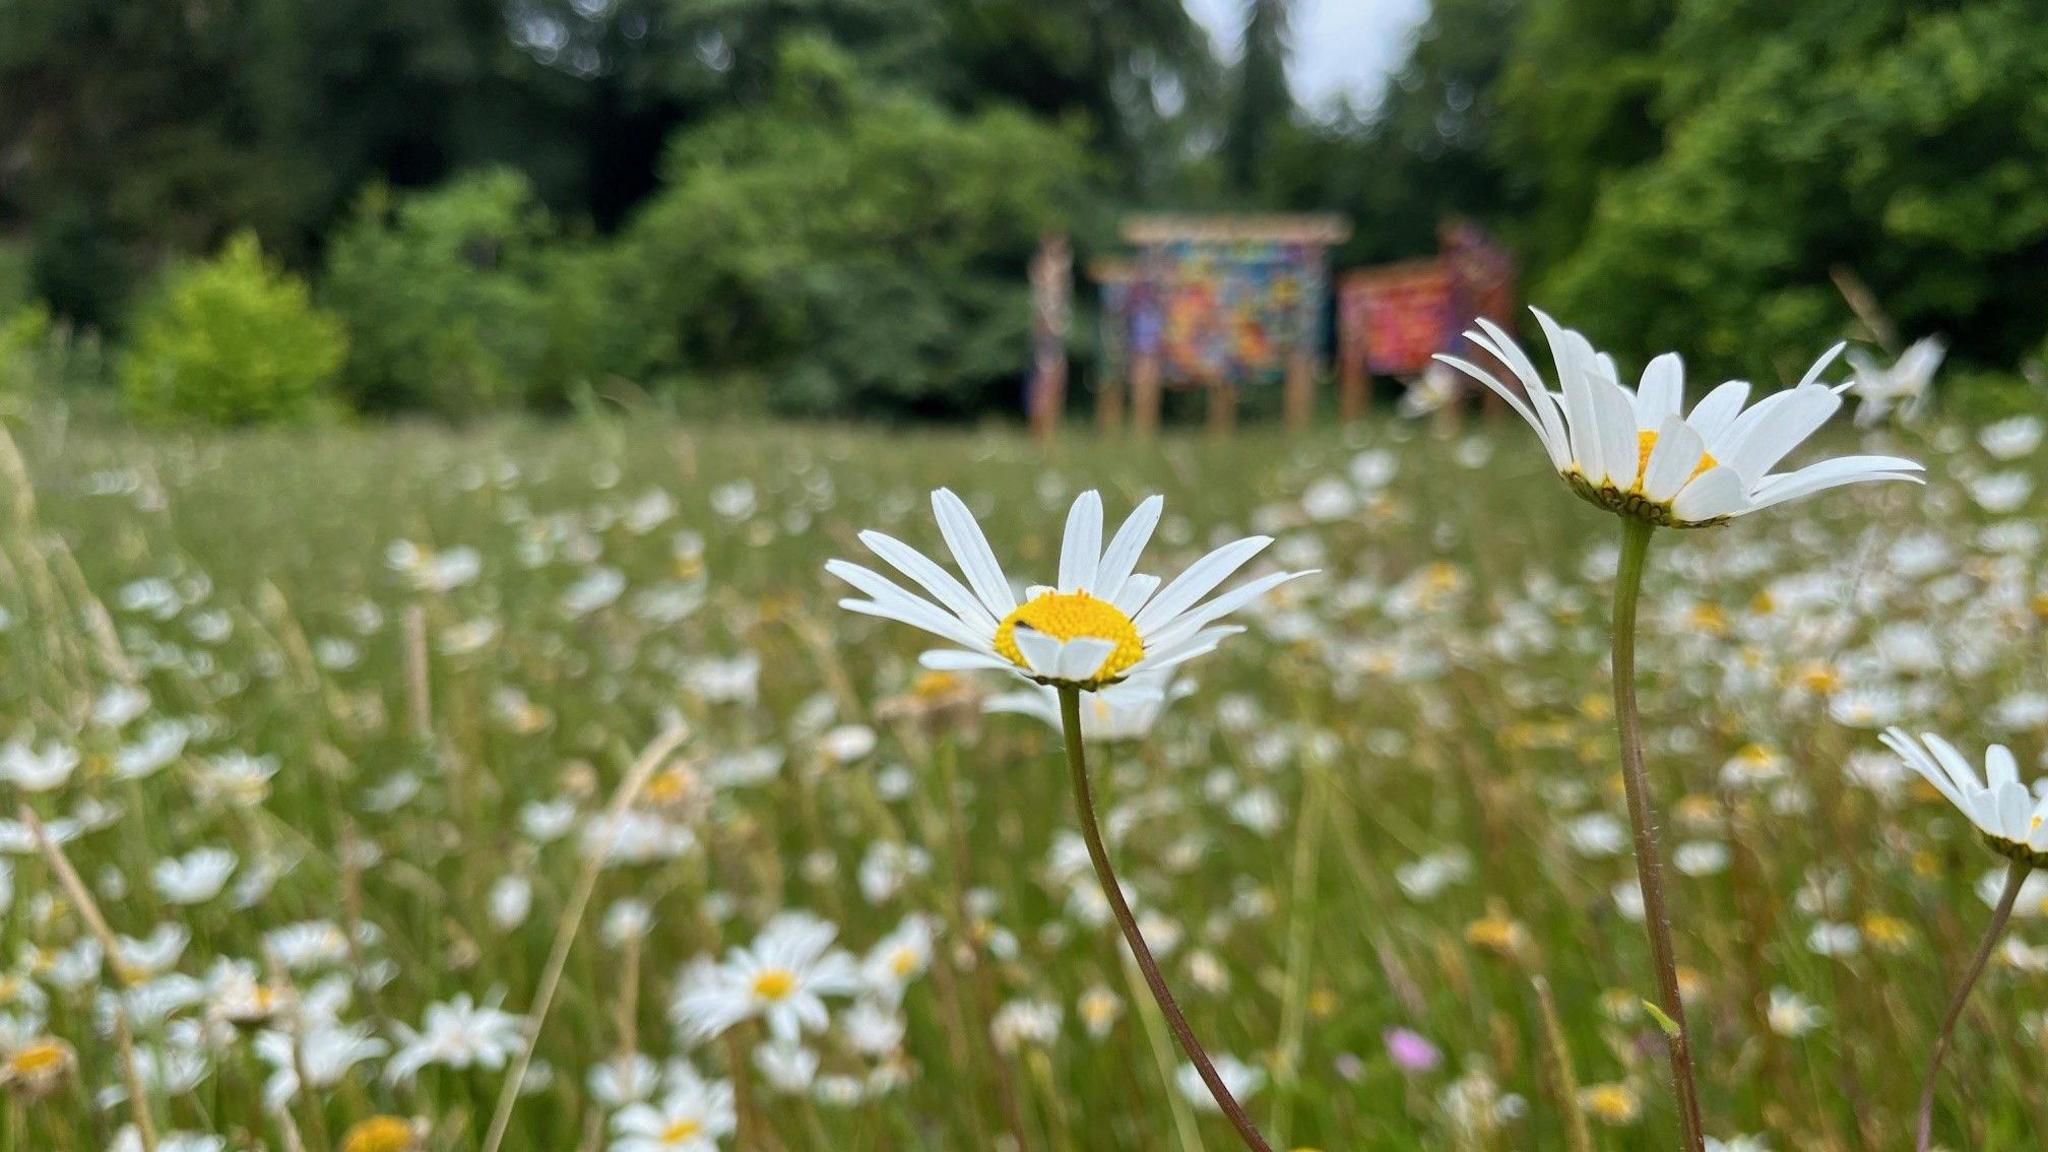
{"x": 1262, "y": 100}
{"x": 1903, "y": 141}
{"x": 848, "y": 246}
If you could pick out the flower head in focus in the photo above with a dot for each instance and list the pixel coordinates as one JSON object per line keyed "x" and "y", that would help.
{"x": 1636, "y": 453}
{"x": 1101, "y": 624}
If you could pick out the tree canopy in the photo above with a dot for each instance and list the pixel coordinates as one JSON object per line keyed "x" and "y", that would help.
{"x": 827, "y": 205}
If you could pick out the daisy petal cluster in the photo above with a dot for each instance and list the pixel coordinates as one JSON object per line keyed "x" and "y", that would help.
{"x": 1103, "y": 622}
{"x": 782, "y": 979}
{"x": 2011, "y": 819}
{"x": 1639, "y": 453}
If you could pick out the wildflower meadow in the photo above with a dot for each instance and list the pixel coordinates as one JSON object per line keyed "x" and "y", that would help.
{"x": 591, "y": 786}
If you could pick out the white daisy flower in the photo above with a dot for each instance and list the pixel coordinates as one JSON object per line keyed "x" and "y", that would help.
{"x": 459, "y": 1034}
{"x": 1631, "y": 451}
{"x": 1104, "y": 621}
{"x": 2013, "y": 822}
{"x": 782, "y": 978}
{"x": 693, "y": 1115}
{"x": 1904, "y": 383}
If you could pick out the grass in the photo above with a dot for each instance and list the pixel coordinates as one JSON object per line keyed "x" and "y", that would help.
{"x": 1394, "y": 805}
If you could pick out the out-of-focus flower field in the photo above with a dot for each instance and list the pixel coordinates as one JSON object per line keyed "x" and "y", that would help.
{"x": 332, "y": 724}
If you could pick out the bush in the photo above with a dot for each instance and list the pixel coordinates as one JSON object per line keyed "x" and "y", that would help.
{"x": 233, "y": 340}
{"x": 848, "y": 246}
{"x": 464, "y": 298}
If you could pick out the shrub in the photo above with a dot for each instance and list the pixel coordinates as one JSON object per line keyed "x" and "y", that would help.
{"x": 848, "y": 246}
{"x": 232, "y": 340}
{"x": 464, "y": 298}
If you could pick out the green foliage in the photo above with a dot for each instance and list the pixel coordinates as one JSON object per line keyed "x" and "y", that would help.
{"x": 463, "y": 298}
{"x": 23, "y": 335}
{"x": 1906, "y": 146}
{"x": 849, "y": 245}
{"x": 232, "y": 340}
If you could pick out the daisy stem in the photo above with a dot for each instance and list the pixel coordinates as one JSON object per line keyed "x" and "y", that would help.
{"x": 2014, "y": 879}
{"x": 1084, "y": 804}
{"x": 1628, "y": 586}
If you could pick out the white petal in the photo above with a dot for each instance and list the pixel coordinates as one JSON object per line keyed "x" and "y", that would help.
{"x": 1661, "y": 392}
{"x": 1492, "y": 382}
{"x": 1678, "y": 452}
{"x": 1195, "y": 583}
{"x": 1770, "y": 431}
{"x": 1125, "y": 548}
{"x": 931, "y": 620}
{"x": 1193, "y": 621}
{"x": 1083, "y": 657}
{"x": 1200, "y": 644}
{"x": 1138, "y": 588}
{"x": 2015, "y": 806}
{"x": 1041, "y": 652}
{"x": 1713, "y": 415}
{"x": 1618, "y": 442}
{"x": 971, "y": 551}
{"x": 954, "y": 660}
{"x": 1717, "y": 493}
{"x": 933, "y": 579}
{"x": 903, "y": 606}
{"x": 1821, "y": 365}
{"x": 1833, "y": 474}
{"x": 1955, "y": 763}
{"x": 1081, "y": 551}
{"x": 2000, "y": 766}
{"x": 1540, "y": 397}
{"x": 1916, "y": 758}
{"x": 1582, "y": 427}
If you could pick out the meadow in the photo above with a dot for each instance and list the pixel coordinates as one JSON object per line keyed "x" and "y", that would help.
{"x": 338, "y": 728}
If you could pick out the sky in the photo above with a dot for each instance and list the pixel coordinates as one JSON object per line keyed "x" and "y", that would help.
{"x": 1342, "y": 48}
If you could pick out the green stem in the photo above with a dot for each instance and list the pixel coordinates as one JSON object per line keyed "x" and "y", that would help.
{"x": 1628, "y": 586}
{"x": 2014, "y": 880}
{"x": 1084, "y": 804}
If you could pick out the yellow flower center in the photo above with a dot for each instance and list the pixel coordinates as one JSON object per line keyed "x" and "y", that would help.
{"x": 1646, "y": 443}
{"x": 903, "y": 962}
{"x": 680, "y": 1131}
{"x": 1613, "y": 1103}
{"x": 1066, "y": 616}
{"x": 935, "y": 685}
{"x": 379, "y": 1134}
{"x": 774, "y": 984}
{"x": 38, "y": 1058}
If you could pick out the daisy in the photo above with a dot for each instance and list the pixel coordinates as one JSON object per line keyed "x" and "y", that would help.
{"x": 2013, "y": 823}
{"x": 1101, "y": 623}
{"x": 782, "y": 978}
{"x": 194, "y": 878}
{"x": 1904, "y": 383}
{"x": 2004, "y": 810}
{"x": 692, "y": 1117}
{"x": 1632, "y": 451}
{"x": 459, "y": 1034}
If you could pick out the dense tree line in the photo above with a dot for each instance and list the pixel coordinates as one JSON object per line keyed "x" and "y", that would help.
{"x": 826, "y": 205}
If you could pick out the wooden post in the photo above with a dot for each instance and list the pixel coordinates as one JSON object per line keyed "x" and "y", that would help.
{"x": 1048, "y": 396}
{"x": 1222, "y": 408}
{"x": 1351, "y": 393}
{"x": 1052, "y": 286}
{"x": 1300, "y": 401}
{"x": 1109, "y": 405}
{"x": 1145, "y": 395}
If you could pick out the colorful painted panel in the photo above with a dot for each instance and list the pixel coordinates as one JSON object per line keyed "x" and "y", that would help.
{"x": 1231, "y": 311}
{"x": 1398, "y": 318}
